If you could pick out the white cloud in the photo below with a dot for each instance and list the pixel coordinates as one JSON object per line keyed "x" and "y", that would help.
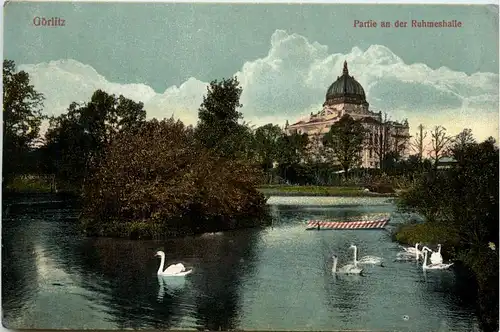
{"x": 291, "y": 81}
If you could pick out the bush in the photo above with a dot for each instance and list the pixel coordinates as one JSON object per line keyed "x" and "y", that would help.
{"x": 460, "y": 205}
{"x": 158, "y": 181}
{"x": 429, "y": 234}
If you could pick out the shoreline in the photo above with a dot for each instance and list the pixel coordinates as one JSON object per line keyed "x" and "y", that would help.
{"x": 315, "y": 191}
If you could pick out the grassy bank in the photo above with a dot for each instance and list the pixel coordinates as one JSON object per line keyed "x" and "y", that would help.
{"x": 29, "y": 184}
{"x": 286, "y": 190}
{"x": 478, "y": 264}
{"x": 429, "y": 235}
{"x": 38, "y": 184}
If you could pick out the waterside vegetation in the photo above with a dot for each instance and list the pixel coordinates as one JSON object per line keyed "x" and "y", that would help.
{"x": 460, "y": 207}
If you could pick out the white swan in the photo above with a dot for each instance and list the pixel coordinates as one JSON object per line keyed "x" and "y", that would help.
{"x": 436, "y": 257}
{"x": 174, "y": 270}
{"x": 414, "y": 250}
{"x": 405, "y": 257}
{"x": 347, "y": 269}
{"x": 433, "y": 266}
{"x": 365, "y": 259}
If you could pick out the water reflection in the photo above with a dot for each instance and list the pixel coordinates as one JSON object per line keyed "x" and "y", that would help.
{"x": 19, "y": 270}
{"x": 277, "y": 278}
{"x": 169, "y": 286}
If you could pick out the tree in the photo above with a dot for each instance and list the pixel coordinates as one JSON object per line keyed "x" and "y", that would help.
{"x": 439, "y": 144}
{"x": 158, "y": 180}
{"x": 379, "y": 140}
{"x": 76, "y": 140}
{"x": 418, "y": 143}
{"x": 400, "y": 141}
{"x": 315, "y": 150}
{"x": 22, "y": 117}
{"x": 462, "y": 140}
{"x": 267, "y": 145}
{"x": 291, "y": 152}
{"x": 346, "y": 138}
{"x": 218, "y": 128}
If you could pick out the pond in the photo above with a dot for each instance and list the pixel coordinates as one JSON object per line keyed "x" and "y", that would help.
{"x": 261, "y": 279}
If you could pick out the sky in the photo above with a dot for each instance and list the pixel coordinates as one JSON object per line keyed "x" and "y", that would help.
{"x": 285, "y": 57}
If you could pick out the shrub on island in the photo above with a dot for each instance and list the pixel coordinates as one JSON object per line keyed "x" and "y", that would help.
{"x": 158, "y": 182}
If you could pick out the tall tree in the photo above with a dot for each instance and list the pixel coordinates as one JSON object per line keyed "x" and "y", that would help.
{"x": 463, "y": 139}
{"x": 346, "y": 139}
{"x": 460, "y": 144}
{"x": 418, "y": 143}
{"x": 439, "y": 144}
{"x": 316, "y": 150}
{"x": 400, "y": 141}
{"x": 218, "y": 128}
{"x": 379, "y": 140}
{"x": 75, "y": 140}
{"x": 291, "y": 152}
{"x": 267, "y": 145}
{"x": 22, "y": 117}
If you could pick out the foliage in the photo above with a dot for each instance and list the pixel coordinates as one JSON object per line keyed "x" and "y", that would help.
{"x": 424, "y": 196}
{"x": 379, "y": 140}
{"x": 291, "y": 152}
{"x": 463, "y": 200}
{"x": 428, "y": 234}
{"x": 345, "y": 139}
{"x": 22, "y": 117}
{"x": 218, "y": 128}
{"x": 159, "y": 180}
{"x": 26, "y": 183}
{"x": 75, "y": 140}
{"x": 267, "y": 139}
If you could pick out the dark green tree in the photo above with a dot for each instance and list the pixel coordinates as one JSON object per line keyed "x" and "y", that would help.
{"x": 75, "y": 140}
{"x": 218, "y": 128}
{"x": 464, "y": 201}
{"x": 346, "y": 140}
{"x": 267, "y": 139}
{"x": 291, "y": 152}
{"x": 22, "y": 117}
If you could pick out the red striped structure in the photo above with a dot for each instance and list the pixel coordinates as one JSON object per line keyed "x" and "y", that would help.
{"x": 360, "y": 224}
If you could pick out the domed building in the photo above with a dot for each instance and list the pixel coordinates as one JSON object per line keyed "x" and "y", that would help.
{"x": 347, "y": 96}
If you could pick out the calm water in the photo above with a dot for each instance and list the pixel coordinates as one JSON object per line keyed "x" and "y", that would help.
{"x": 278, "y": 278}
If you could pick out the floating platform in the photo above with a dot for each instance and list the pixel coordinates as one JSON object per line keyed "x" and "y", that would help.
{"x": 354, "y": 223}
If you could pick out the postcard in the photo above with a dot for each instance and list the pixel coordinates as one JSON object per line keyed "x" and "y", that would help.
{"x": 250, "y": 166}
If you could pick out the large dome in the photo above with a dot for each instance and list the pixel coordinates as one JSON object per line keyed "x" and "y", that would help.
{"x": 345, "y": 90}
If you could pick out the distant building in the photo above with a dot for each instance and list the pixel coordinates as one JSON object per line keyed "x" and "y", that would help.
{"x": 347, "y": 96}
{"x": 446, "y": 162}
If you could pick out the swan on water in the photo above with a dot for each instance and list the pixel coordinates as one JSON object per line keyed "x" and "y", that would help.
{"x": 414, "y": 250}
{"x": 365, "y": 259}
{"x": 347, "y": 269}
{"x": 405, "y": 257}
{"x": 174, "y": 270}
{"x": 436, "y": 257}
{"x": 433, "y": 266}
{"x": 409, "y": 253}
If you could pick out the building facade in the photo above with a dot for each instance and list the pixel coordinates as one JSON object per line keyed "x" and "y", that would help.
{"x": 347, "y": 96}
